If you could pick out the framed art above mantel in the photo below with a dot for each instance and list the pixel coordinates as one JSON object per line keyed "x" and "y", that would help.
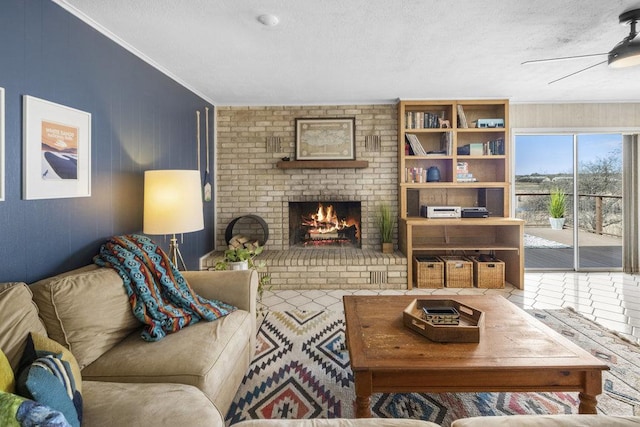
{"x": 325, "y": 139}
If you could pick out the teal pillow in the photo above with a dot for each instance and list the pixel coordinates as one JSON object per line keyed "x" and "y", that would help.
{"x": 46, "y": 381}
{"x": 17, "y": 411}
{"x": 46, "y": 378}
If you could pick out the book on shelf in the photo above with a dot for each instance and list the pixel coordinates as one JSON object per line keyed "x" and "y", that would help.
{"x": 464, "y": 175}
{"x": 488, "y": 148}
{"x": 415, "y": 144}
{"x": 422, "y": 120}
{"x": 462, "y": 118}
{"x": 495, "y": 147}
{"x": 415, "y": 175}
{"x": 446, "y": 143}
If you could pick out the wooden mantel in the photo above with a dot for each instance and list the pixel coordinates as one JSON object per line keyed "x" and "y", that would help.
{"x": 322, "y": 164}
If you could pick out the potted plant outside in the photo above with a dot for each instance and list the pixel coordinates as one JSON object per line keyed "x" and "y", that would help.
{"x": 386, "y": 225}
{"x": 557, "y": 206}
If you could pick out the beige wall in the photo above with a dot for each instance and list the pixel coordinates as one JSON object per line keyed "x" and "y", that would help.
{"x": 248, "y": 181}
{"x": 621, "y": 115}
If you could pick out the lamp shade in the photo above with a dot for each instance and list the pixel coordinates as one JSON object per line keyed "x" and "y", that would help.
{"x": 172, "y": 202}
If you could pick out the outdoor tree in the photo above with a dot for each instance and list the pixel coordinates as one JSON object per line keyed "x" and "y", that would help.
{"x": 598, "y": 178}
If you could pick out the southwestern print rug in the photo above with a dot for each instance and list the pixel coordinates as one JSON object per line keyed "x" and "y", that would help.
{"x": 301, "y": 370}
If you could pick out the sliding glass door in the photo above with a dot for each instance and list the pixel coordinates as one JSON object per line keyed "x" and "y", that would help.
{"x": 599, "y": 202}
{"x": 581, "y": 175}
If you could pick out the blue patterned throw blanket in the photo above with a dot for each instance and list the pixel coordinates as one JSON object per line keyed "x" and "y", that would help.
{"x": 160, "y": 296}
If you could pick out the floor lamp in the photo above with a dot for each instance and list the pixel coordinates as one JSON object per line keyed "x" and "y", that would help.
{"x": 172, "y": 205}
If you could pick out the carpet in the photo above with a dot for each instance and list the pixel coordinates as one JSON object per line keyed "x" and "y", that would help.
{"x": 301, "y": 370}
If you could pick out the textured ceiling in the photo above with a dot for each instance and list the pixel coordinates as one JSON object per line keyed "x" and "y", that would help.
{"x": 373, "y": 51}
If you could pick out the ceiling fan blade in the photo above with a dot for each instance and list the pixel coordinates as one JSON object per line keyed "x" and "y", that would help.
{"x": 562, "y": 58}
{"x": 579, "y": 71}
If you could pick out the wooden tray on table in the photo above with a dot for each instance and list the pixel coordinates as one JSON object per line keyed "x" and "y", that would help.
{"x": 470, "y": 321}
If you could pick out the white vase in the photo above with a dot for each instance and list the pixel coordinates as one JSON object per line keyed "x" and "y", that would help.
{"x": 239, "y": 265}
{"x": 556, "y": 223}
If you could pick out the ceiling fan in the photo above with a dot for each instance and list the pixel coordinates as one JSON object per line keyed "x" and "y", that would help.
{"x": 624, "y": 54}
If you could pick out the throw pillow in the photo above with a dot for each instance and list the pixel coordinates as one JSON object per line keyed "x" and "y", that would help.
{"x": 43, "y": 343}
{"x": 17, "y": 411}
{"x": 47, "y": 379}
{"x": 7, "y": 380}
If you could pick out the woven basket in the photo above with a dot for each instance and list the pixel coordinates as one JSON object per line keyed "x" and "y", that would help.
{"x": 488, "y": 275}
{"x": 458, "y": 272}
{"x": 428, "y": 272}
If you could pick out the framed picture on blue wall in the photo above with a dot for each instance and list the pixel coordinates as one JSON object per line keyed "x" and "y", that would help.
{"x": 56, "y": 150}
{"x": 1, "y": 144}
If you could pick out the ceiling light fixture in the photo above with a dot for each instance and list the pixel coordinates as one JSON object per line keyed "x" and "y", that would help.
{"x": 627, "y": 52}
{"x": 268, "y": 20}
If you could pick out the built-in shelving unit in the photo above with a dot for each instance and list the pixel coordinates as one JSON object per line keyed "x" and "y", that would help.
{"x": 456, "y": 153}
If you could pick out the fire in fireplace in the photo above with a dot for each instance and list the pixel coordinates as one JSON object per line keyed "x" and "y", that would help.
{"x": 325, "y": 224}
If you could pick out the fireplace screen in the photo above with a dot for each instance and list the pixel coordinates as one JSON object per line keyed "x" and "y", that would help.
{"x": 324, "y": 224}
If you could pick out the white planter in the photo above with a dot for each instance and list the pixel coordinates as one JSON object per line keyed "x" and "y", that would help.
{"x": 556, "y": 223}
{"x": 239, "y": 265}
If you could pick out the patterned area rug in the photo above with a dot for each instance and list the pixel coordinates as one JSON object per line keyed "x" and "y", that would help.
{"x": 301, "y": 370}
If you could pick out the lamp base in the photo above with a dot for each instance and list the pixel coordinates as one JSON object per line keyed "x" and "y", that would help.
{"x": 174, "y": 254}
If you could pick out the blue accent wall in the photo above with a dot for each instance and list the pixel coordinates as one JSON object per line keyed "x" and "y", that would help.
{"x": 141, "y": 119}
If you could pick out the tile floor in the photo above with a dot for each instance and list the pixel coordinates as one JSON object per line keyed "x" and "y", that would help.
{"x": 611, "y": 299}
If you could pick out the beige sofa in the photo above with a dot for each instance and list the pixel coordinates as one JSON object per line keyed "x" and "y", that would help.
{"x": 188, "y": 378}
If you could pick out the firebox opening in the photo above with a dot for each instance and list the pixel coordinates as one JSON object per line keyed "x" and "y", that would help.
{"x": 325, "y": 224}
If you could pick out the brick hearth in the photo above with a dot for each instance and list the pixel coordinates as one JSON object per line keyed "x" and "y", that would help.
{"x": 331, "y": 268}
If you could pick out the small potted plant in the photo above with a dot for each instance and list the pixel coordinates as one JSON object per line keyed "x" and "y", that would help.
{"x": 386, "y": 224}
{"x": 557, "y": 206}
{"x": 239, "y": 258}
{"x": 242, "y": 258}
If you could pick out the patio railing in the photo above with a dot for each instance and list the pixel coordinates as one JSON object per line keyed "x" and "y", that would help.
{"x": 598, "y": 213}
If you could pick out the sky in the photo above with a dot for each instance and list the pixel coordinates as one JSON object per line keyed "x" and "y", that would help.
{"x": 550, "y": 154}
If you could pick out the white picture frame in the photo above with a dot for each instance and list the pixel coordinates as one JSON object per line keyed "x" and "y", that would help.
{"x": 56, "y": 150}
{"x": 2, "y": 162}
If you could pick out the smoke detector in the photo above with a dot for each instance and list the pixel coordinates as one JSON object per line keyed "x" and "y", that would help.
{"x": 268, "y": 20}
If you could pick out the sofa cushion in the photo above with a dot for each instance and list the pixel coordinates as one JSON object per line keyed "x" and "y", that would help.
{"x": 18, "y": 317}
{"x": 109, "y": 404}
{"x": 547, "y": 421}
{"x": 203, "y": 355}
{"x": 87, "y": 310}
{"x": 7, "y": 379}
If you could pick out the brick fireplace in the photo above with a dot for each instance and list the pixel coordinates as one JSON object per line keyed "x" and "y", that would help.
{"x": 251, "y": 140}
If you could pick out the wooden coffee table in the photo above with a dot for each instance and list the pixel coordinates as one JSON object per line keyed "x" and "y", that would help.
{"x": 516, "y": 353}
